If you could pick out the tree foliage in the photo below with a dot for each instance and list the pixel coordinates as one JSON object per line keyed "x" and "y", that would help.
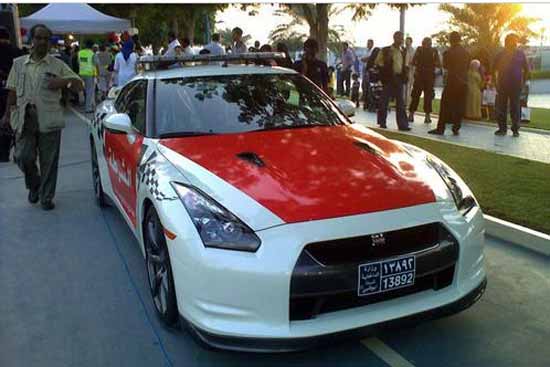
{"x": 317, "y": 16}
{"x": 154, "y": 21}
{"x": 483, "y": 25}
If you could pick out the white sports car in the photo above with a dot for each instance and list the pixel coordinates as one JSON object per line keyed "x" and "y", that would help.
{"x": 268, "y": 221}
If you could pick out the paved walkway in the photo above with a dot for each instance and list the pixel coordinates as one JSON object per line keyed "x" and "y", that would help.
{"x": 530, "y": 145}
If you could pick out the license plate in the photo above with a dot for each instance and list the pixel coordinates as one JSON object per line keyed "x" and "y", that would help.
{"x": 386, "y": 275}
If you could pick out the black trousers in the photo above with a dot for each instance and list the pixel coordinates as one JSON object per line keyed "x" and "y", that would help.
{"x": 508, "y": 97}
{"x": 453, "y": 102}
{"x": 422, "y": 85}
{"x": 393, "y": 89}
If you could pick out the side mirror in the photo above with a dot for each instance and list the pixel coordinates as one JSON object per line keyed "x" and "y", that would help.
{"x": 113, "y": 92}
{"x": 119, "y": 122}
{"x": 346, "y": 106}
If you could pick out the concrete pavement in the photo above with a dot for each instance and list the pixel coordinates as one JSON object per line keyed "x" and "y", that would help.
{"x": 74, "y": 293}
{"x": 530, "y": 145}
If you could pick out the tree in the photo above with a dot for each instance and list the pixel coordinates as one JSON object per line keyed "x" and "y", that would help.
{"x": 294, "y": 39}
{"x": 316, "y": 16}
{"x": 483, "y": 25}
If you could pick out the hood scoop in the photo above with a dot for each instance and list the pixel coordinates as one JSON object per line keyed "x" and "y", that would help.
{"x": 251, "y": 157}
{"x": 366, "y": 147}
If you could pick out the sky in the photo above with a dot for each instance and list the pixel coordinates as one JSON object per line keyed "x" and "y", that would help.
{"x": 420, "y": 22}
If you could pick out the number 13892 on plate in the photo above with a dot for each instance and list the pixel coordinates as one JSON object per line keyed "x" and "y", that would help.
{"x": 386, "y": 275}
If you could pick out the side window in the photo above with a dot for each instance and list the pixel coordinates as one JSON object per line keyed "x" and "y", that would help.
{"x": 120, "y": 103}
{"x": 136, "y": 104}
{"x": 132, "y": 100}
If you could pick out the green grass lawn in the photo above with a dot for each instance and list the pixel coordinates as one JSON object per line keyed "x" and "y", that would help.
{"x": 540, "y": 74}
{"x": 509, "y": 188}
{"x": 540, "y": 117}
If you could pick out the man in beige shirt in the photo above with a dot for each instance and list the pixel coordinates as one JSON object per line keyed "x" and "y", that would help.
{"x": 35, "y": 113}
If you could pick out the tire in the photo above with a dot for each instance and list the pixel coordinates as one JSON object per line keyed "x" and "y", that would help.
{"x": 159, "y": 270}
{"x": 100, "y": 197}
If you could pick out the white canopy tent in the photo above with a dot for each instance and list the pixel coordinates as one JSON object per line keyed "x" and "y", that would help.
{"x": 76, "y": 18}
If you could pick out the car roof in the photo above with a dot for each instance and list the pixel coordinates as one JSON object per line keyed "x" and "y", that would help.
{"x": 214, "y": 69}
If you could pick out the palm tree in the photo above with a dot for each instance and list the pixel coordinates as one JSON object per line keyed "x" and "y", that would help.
{"x": 483, "y": 25}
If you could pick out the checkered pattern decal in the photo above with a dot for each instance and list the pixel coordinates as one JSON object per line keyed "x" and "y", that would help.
{"x": 147, "y": 175}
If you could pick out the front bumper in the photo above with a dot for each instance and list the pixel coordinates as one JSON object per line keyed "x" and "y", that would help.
{"x": 235, "y": 295}
{"x": 267, "y": 345}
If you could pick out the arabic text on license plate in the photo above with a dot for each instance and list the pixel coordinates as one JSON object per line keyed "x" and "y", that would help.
{"x": 386, "y": 275}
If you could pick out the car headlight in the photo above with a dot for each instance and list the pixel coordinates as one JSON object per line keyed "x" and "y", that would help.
{"x": 217, "y": 227}
{"x": 462, "y": 195}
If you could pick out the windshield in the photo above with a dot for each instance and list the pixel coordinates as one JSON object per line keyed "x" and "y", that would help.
{"x": 240, "y": 103}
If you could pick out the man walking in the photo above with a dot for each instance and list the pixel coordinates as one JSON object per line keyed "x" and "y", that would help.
{"x": 425, "y": 60}
{"x": 512, "y": 70}
{"x": 453, "y": 100}
{"x": 87, "y": 65}
{"x": 35, "y": 83}
{"x": 393, "y": 74}
{"x": 311, "y": 67}
{"x": 348, "y": 58}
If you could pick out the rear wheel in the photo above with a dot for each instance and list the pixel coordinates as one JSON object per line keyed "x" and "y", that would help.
{"x": 96, "y": 179}
{"x": 159, "y": 269}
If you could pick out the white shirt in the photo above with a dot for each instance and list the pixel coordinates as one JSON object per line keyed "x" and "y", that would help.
{"x": 238, "y": 48}
{"x": 188, "y": 51}
{"x": 125, "y": 69}
{"x": 171, "y": 50}
{"x": 215, "y": 48}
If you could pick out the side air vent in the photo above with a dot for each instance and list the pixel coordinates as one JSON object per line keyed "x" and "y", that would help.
{"x": 251, "y": 157}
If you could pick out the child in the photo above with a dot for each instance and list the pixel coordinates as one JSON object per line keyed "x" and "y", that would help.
{"x": 355, "y": 89}
{"x": 331, "y": 82}
{"x": 488, "y": 100}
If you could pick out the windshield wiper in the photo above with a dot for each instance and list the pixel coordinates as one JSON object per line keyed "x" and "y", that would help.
{"x": 180, "y": 134}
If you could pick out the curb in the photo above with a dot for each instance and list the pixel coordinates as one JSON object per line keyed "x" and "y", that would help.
{"x": 518, "y": 235}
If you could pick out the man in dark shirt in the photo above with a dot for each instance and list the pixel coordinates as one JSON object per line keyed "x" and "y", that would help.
{"x": 512, "y": 70}
{"x": 310, "y": 66}
{"x": 8, "y": 52}
{"x": 425, "y": 60}
{"x": 393, "y": 74}
{"x": 456, "y": 61}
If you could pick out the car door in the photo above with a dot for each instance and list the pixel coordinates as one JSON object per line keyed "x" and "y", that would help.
{"x": 123, "y": 150}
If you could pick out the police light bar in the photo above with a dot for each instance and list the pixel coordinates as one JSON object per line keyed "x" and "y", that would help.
{"x": 248, "y": 56}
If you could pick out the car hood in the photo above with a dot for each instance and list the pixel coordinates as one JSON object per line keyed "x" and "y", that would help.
{"x": 312, "y": 173}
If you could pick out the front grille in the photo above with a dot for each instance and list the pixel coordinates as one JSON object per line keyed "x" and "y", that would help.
{"x": 325, "y": 277}
{"x": 309, "y": 307}
{"x": 358, "y": 249}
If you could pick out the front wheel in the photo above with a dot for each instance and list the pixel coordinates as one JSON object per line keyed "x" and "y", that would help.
{"x": 96, "y": 179}
{"x": 159, "y": 269}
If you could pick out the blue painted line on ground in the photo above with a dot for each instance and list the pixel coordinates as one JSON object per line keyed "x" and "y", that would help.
{"x": 141, "y": 301}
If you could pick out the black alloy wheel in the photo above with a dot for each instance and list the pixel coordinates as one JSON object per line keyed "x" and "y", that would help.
{"x": 96, "y": 180}
{"x": 159, "y": 270}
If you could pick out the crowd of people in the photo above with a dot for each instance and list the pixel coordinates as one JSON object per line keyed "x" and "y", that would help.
{"x": 396, "y": 72}
{"x": 474, "y": 87}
